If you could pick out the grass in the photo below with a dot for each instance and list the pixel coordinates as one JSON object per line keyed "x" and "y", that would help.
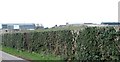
{"x": 29, "y": 56}
{"x": 62, "y": 28}
{"x": 56, "y": 29}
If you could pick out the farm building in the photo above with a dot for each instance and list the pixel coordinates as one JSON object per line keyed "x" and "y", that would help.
{"x": 18, "y": 26}
{"x": 111, "y": 23}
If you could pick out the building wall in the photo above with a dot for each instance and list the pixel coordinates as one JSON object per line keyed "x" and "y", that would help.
{"x": 119, "y": 11}
{"x": 21, "y": 26}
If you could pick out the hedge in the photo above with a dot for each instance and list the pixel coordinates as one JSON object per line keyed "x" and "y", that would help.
{"x": 92, "y": 43}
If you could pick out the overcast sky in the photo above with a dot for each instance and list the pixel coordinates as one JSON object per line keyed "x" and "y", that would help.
{"x": 51, "y": 12}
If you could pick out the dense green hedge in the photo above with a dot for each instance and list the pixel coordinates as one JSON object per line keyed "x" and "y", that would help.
{"x": 98, "y": 44}
{"x": 92, "y": 43}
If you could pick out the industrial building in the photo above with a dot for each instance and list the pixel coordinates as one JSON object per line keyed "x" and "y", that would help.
{"x": 18, "y": 26}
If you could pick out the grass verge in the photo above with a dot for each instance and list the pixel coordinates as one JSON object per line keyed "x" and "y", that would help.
{"x": 29, "y": 56}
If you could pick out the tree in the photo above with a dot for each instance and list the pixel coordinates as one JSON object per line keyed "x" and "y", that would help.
{"x": 39, "y": 26}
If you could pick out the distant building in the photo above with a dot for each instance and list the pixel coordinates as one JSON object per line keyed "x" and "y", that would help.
{"x": 111, "y": 23}
{"x": 18, "y": 26}
{"x": 84, "y": 24}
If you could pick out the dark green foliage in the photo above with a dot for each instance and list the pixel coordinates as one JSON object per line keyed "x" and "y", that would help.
{"x": 92, "y": 43}
{"x": 98, "y": 44}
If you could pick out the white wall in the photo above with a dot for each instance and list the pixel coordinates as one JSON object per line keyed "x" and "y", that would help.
{"x": 16, "y": 27}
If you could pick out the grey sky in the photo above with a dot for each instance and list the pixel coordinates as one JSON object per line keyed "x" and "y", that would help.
{"x": 51, "y": 12}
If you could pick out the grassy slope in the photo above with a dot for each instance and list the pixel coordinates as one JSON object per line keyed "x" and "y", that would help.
{"x": 29, "y": 56}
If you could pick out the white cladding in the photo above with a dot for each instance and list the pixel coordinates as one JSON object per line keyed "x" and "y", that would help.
{"x": 16, "y": 27}
{"x": 119, "y": 11}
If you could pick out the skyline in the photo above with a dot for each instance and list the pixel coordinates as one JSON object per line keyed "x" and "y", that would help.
{"x": 50, "y": 13}
{"x": 102, "y": 23}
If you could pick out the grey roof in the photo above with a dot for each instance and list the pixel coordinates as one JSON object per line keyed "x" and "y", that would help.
{"x": 111, "y": 23}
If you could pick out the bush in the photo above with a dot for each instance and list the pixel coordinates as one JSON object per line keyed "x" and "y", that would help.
{"x": 92, "y": 43}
